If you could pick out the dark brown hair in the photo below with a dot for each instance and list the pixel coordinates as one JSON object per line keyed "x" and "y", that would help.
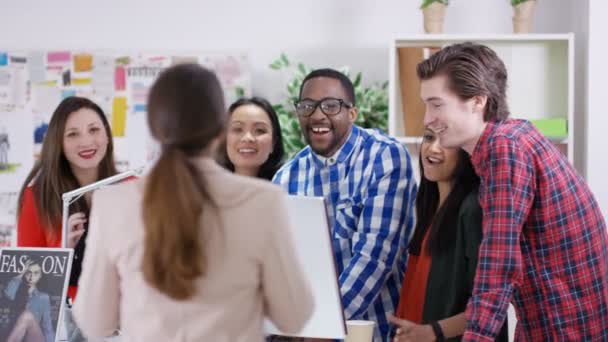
{"x": 186, "y": 114}
{"x": 472, "y": 70}
{"x": 275, "y": 160}
{"x": 52, "y": 175}
{"x": 441, "y": 220}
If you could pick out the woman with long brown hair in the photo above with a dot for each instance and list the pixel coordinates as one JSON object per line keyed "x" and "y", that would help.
{"x": 443, "y": 253}
{"x": 77, "y": 151}
{"x": 191, "y": 252}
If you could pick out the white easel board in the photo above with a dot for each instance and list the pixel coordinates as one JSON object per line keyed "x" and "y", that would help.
{"x": 311, "y": 234}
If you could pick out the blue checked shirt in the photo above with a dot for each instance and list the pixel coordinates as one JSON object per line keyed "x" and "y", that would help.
{"x": 369, "y": 190}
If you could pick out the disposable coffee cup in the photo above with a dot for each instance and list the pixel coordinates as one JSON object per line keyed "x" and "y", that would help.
{"x": 359, "y": 331}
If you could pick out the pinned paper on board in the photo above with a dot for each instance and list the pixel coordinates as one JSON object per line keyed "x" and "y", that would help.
{"x": 55, "y": 73}
{"x": 20, "y": 84}
{"x": 120, "y": 79}
{"x": 232, "y": 73}
{"x": 8, "y": 218}
{"x": 83, "y": 62}
{"x": 15, "y": 150}
{"x": 45, "y": 98}
{"x": 139, "y": 96}
{"x": 36, "y": 67}
{"x": 183, "y": 60}
{"x": 3, "y": 59}
{"x": 81, "y": 81}
{"x": 103, "y": 77}
{"x": 58, "y": 57}
{"x": 7, "y": 235}
{"x": 119, "y": 116}
{"x": 139, "y": 80}
{"x": 6, "y": 93}
{"x": 123, "y": 60}
{"x": 67, "y": 93}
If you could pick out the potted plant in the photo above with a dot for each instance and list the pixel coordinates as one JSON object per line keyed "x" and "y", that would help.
{"x": 523, "y": 10}
{"x": 372, "y": 103}
{"x": 434, "y": 12}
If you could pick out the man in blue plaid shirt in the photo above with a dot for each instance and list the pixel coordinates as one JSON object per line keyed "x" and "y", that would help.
{"x": 367, "y": 182}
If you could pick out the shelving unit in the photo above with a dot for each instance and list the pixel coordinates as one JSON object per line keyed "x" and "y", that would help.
{"x": 540, "y": 86}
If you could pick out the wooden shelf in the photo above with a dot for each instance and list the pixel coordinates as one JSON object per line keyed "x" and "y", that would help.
{"x": 540, "y": 86}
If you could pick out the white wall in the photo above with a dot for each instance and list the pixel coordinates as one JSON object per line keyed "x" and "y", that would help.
{"x": 316, "y": 32}
{"x": 597, "y": 157}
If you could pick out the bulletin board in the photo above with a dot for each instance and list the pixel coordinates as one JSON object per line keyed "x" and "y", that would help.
{"x": 32, "y": 83}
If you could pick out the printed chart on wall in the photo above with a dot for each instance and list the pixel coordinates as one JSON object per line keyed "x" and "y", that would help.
{"x": 33, "y": 83}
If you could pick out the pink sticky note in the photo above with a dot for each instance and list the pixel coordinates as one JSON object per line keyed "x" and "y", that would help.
{"x": 120, "y": 78}
{"x": 59, "y": 57}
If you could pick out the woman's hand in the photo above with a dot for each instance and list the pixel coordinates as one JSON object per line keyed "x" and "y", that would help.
{"x": 411, "y": 332}
{"x": 76, "y": 223}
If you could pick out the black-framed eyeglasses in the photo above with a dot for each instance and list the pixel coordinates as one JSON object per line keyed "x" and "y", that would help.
{"x": 328, "y": 105}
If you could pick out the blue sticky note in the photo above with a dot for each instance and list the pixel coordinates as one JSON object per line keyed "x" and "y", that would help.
{"x": 3, "y": 58}
{"x": 139, "y": 108}
{"x": 67, "y": 93}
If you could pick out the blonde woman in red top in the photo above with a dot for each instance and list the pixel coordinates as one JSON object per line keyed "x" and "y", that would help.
{"x": 77, "y": 151}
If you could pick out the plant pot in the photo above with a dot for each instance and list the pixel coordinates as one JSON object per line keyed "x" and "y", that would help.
{"x": 433, "y": 17}
{"x": 522, "y": 16}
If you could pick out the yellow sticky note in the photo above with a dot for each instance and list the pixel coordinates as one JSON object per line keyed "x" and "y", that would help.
{"x": 48, "y": 83}
{"x": 119, "y": 116}
{"x": 83, "y": 62}
{"x": 81, "y": 81}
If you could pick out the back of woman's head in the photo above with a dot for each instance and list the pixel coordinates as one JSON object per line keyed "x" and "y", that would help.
{"x": 52, "y": 174}
{"x": 186, "y": 115}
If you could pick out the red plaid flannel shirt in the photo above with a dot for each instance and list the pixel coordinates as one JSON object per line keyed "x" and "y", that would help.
{"x": 545, "y": 242}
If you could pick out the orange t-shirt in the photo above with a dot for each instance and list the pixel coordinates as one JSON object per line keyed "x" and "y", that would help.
{"x": 413, "y": 291}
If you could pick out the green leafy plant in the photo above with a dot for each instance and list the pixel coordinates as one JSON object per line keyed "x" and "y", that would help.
{"x": 517, "y": 2}
{"x": 427, "y": 3}
{"x": 372, "y": 103}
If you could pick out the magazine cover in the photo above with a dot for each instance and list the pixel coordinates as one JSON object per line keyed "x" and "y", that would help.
{"x": 33, "y": 286}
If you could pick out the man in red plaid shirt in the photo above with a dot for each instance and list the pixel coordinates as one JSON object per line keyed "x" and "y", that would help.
{"x": 545, "y": 245}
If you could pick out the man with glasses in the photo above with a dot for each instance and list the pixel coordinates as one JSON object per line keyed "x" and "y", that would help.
{"x": 366, "y": 180}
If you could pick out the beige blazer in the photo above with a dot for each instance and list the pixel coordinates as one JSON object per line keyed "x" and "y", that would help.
{"x": 252, "y": 270}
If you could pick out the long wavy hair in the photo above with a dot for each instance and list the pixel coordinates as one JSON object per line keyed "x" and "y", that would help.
{"x": 52, "y": 175}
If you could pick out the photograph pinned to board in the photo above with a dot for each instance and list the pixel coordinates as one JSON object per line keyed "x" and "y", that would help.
{"x": 15, "y": 149}
{"x": 33, "y": 283}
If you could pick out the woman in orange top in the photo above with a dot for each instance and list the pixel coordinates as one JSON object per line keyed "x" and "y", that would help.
{"x": 444, "y": 249}
{"x": 77, "y": 151}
